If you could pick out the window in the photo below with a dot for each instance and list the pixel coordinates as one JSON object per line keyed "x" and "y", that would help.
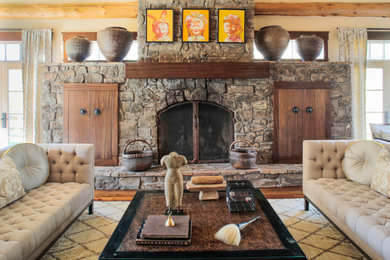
{"x": 377, "y": 89}
{"x": 96, "y": 54}
{"x": 291, "y": 52}
{"x": 11, "y": 89}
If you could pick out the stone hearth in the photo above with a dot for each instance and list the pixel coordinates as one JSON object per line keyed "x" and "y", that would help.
{"x": 266, "y": 175}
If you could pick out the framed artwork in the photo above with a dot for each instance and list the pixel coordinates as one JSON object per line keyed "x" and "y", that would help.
{"x": 159, "y": 25}
{"x": 231, "y": 25}
{"x": 196, "y": 25}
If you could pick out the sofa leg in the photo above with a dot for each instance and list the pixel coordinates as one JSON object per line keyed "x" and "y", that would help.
{"x": 90, "y": 208}
{"x": 306, "y": 205}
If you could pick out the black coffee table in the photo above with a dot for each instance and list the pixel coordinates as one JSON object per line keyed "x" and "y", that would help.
{"x": 267, "y": 238}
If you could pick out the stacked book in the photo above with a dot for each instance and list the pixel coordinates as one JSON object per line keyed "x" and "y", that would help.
{"x": 154, "y": 232}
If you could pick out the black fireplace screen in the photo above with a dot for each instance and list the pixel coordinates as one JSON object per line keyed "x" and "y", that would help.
{"x": 200, "y": 131}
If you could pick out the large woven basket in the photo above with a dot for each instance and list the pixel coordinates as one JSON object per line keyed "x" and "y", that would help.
{"x": 137, "y": 160}
{"x": 242, "y": 158}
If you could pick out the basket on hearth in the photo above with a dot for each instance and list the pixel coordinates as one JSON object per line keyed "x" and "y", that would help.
{"x": 243, "y": 157}
{"x": 137, "y": 160}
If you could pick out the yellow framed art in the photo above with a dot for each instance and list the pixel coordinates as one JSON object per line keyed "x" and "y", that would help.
{"x": 159, "y": 25}
{"x": 231, "y": 25}
{"x": 196, "y": 25}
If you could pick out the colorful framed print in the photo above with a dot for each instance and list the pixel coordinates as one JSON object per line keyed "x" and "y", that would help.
{"x": 231, "y": 25}
{"x": 159, "y": 25}
{"x": 196, "y": 25}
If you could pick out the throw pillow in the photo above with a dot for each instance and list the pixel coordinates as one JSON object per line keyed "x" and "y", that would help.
{"x": 32, "y": 163}
{"x": 359, "y": 161}
{"x": 381, "y": 177}
{"x": 11, "y": 187}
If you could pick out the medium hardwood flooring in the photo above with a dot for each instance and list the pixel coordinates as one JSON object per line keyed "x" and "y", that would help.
{"x": 269, "y": 193}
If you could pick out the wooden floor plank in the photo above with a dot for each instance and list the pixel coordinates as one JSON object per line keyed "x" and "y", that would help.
{"x": 269, "y": 193}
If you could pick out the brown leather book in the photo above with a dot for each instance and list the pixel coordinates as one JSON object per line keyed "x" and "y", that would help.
{"x": 155, "y": 227}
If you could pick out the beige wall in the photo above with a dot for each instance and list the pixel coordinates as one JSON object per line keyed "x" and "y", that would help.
{"x": 290, "y": 23}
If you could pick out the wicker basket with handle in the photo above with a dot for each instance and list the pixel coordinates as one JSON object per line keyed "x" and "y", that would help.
{"x": 242, "y": 158}
{"x": 137, "y": 160}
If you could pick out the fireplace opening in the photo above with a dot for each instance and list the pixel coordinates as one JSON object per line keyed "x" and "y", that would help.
{"x": 201, "y": 131}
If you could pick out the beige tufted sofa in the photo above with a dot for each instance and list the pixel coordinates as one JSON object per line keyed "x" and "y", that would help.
{"x": 31, "y": 224}
{"x": 360, "y": 212}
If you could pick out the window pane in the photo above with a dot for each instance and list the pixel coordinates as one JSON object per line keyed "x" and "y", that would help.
{"x": 387, "y": 51}
{"x": 374, "y": 101}
{"x": 13, "y": 51}
{"x": 256, "y": 54}
{"x": 16, "y": 121}
{"x": 15, "y": 102}
{"x": 374, "y": 78}
{"x": 295, "y": 54}
{"x": 376, "y": 51}
{"x": 375, "y": 118}
{"x": 2, "y": 51}
{"x": 95, "y": 51}
{"x": 133, "y": 52}
{"x": 15, "y": 80}
{"x": 288, "y": 53}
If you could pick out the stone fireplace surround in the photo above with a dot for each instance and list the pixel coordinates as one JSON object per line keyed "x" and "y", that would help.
{"x": 251, "y": 100}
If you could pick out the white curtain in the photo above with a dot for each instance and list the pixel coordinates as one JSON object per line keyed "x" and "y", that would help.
{"x": 353, "y": 48}
{"x": 36, "y": 48}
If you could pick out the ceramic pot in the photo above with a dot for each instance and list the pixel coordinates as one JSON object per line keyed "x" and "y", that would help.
{"x": 78, "y": 48}
{"x": 114, "y": 43}
{"x": 272, "y": 41}
{"x": 309, "y": 47}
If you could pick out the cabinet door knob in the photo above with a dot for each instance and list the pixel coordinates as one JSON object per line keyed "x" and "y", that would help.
{"x": 309, "y": 110}
{"x": 83, "y": 111}
{"x": 97, "y": 111}
{"x": 295, "y": 110}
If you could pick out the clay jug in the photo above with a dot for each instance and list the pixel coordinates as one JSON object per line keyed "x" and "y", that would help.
{"x": 78, "y": 48}
{"x": 114, "y": 43}
{"x": 309, "y": 47}
{"x": 272, "y": 41}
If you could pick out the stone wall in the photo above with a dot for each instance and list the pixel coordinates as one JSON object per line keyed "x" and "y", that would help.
{"x": 251, "y": 100}
{"x": 177, "y": 51}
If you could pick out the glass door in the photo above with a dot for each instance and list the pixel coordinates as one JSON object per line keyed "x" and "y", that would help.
{"x": 11, "y": 104}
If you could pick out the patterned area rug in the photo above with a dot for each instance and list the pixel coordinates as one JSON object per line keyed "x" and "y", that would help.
{"x": 86, "y": 238}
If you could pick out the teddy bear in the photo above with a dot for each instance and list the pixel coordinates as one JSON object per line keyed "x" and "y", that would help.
{"x": 173, "y": 184}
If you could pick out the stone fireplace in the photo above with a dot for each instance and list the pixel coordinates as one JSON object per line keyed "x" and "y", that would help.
{"x": 171, "y": 113}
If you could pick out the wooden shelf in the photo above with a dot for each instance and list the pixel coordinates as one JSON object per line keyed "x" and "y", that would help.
{"x": 198, "y": 70}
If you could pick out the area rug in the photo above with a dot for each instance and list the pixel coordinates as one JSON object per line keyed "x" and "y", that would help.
{"x": 88, "y": 235}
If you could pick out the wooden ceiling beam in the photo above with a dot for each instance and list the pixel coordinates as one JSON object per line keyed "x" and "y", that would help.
{"x": 348, "y": 9}
{"x": 69, "y": 11}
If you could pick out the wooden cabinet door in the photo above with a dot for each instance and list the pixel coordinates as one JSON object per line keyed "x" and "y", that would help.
{"x": 310, "y": 122}
{"x": 104, "y": 113}
{"x": 316, "y": 115}
{"x": 289, "y": 124}
{"x": 99, "y": 124}
{"x": 76, "y": 116}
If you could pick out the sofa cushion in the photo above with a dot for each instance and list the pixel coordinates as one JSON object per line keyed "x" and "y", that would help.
{"x": 32, "y": 163}
{"x": 11, "y": 187}
{"x": 28, "y": 222}
{"x": 359, "y": 161}
{"x": 381, "y": 177}
{"x": 380, "y": 131}
{"x": 363, "y": 210}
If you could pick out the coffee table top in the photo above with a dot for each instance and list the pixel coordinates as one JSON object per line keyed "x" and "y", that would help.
{"x": 262, "y": 239}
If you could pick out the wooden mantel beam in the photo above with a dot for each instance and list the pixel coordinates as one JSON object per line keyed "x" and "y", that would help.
{"x": 69, "y": 11}
{"x": 349, "y": 9}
